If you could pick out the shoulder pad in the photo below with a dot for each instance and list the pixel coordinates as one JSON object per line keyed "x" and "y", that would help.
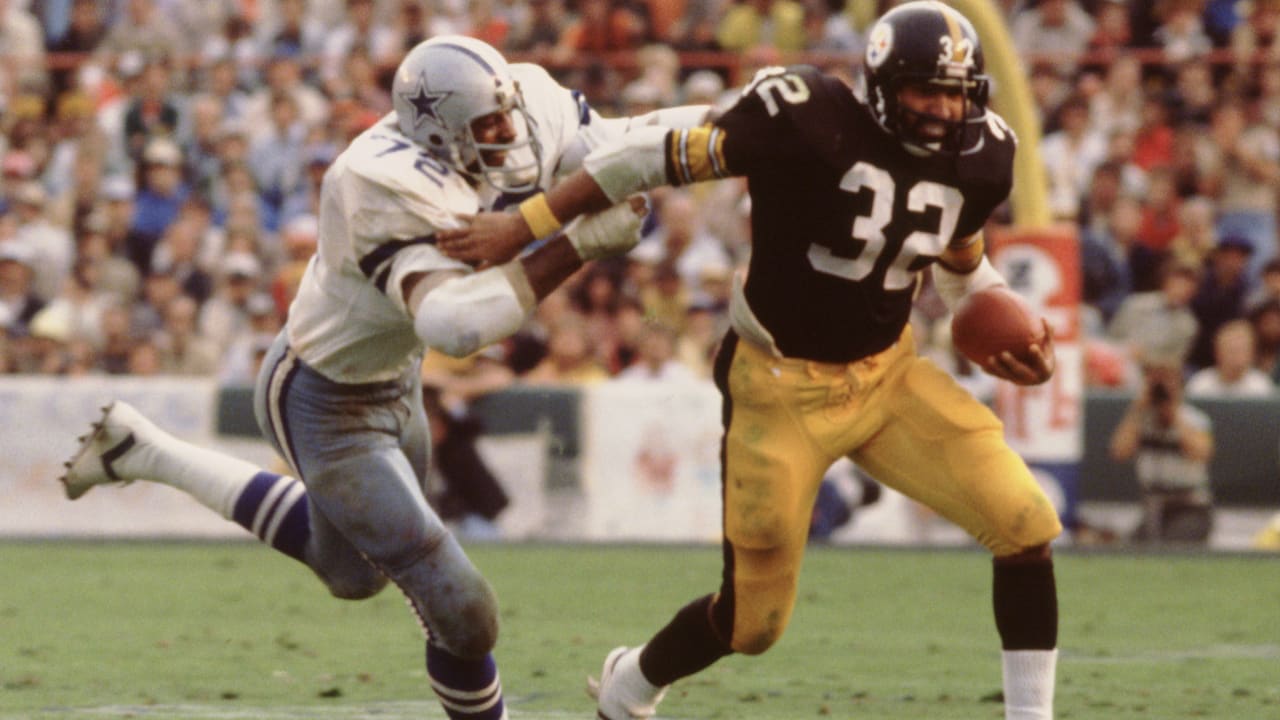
{"x": 384, "y": 157}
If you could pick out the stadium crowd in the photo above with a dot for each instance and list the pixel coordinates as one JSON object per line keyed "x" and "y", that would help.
{"x": 160, "y": 161}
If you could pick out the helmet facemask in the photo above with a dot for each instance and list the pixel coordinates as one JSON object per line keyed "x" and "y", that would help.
{"x": 520, "y": 167}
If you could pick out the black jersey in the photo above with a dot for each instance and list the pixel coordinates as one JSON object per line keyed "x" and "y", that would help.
{"x": 843, "y": 217}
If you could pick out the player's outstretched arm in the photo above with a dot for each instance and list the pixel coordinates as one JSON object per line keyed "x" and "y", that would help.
{"x": 610, "y": 174}
{"x": 459, "y": 314}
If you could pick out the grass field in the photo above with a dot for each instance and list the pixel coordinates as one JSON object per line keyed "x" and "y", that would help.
{"x": 229, "y": 630}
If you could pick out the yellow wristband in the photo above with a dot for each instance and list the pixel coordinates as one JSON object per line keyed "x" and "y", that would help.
{"x": 538, "y": 216}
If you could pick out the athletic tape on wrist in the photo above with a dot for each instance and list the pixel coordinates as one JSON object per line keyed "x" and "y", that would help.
{"x": 538, "y": 216}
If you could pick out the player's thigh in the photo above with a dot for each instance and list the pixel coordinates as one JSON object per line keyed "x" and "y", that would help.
{"x": 945, "y": 449}
{"x": 772, "y": 471}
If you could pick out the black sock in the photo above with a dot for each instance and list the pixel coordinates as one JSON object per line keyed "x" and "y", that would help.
{"x": 687, "y": 645}
{"x": 1025, "y": 599}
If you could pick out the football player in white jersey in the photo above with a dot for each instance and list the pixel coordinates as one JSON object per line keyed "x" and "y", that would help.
{"x": 339, "y": 394}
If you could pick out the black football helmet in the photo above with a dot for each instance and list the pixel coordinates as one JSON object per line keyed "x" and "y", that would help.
{"x": 926, "y": 41}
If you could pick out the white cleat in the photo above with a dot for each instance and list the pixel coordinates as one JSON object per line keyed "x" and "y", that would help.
{"x": 104, "y": 453}
{"x": 610, "y": 690}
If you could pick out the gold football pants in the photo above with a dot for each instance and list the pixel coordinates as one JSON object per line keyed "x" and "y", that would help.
{"x": 897, "y": 415}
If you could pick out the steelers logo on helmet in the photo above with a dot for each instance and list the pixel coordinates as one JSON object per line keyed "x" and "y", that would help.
{"x": 926, "y": 44}
{"x": 880, "y": 44}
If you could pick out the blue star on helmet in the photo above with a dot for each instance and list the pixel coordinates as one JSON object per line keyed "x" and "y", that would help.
{"x": 424, "y": 102}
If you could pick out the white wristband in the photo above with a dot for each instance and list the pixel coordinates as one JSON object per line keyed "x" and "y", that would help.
{"x": 953, "y": 287}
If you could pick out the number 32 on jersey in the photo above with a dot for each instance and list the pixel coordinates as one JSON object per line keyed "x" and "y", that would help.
{"x": 917, "y": 248}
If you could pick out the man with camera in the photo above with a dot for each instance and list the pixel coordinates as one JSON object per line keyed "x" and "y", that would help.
{"x": 1170, "y": 443}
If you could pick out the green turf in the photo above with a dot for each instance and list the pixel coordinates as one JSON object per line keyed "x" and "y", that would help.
{"x": 234, "y": 631}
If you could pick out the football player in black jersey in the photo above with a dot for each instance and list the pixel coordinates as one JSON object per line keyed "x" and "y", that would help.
{"x": 851, "y": 199}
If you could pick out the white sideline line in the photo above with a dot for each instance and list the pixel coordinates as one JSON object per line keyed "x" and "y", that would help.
{"x": 1211, "y": 652}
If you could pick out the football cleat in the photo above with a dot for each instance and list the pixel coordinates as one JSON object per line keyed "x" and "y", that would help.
{"x": 105, "y": 453}
{"x": 610, "y": 692}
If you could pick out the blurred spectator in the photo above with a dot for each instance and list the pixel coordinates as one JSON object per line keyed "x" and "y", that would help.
{"x": 219, "y": 80}
{"x": 750, "y": 23}
{"x": 152, "y": 112}
{"x": 86, "y": 30}
{"x": 78, "y": 307}
{"x": 570, "y": 356}
{"x": 1118, "y": 105}
{"x": 50, "y": 251}
{"x": 1220, "y": 19}
{"x": 1220, "y": 297}
{"x": 1181, "y": 33}
{"x": 158, "y": 201}
{"x": 146, "y": 316}
{"x": 1170, "y": 443}
{"x": 200, "y": 138}
{"x": 1105, "y": 259}
{"x": 664, "y": 295}
{"x": 118, "y": 340}
{"x": 1254, "y": 39}
{"x": 305, "y": 199}
{"x": 680, "y": 240}
{"x": 539, "y": 30}
{"x": 657, "y": 357}
{"x": 1268, "y": 89}
{"x": 18, "y": 299}
{"x": 181, "y": 350}
{"x": 486, "y": 24}
{"x": 1269, "y": 287}
{"x": 1196, "y": 235}
{"x": 1153, "y": 141}
{"x": 696, "y": 347}
{"x": 1070, "y": 156}
{"x": 1158, "y": 326}
{"x": 1265, "y": 319}
{"x": 1240, "y": 164}
{"x": 202, "y": 22}
{"x": 468, "y": 493}
{"x": 241, "y": 361}
{"x": 114, "y": 276}
{"x": 1233, "y": 373}
{"x": 298, "y": 239}
{"x": 1194, "y": 96}
{"x": 1058, "y": 28}
{"x": 360, "y": 28}
{"x": 226, "y": 314}
{"x": 22, "y": 56}
{"x": 294, "y": 32}
{"x": 276, "y": 157}
{"x": 830, "y": 28}
{"x": 696, "y": 27}
{"x": 283, "y": 77}
{"x": 604, "y": 26}
{"x": 178, "y": 255}
{"x": 1160, "y": 212}
{"x": 1049, "y": 90}
{"x": 144, "y": 31}
{"x": 1111, "y": 33}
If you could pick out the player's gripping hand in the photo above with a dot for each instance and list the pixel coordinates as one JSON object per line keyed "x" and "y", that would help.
{"x": 490, "y": 238}
{"x": 1033, "y": 367}
{"x": 495, "y": 238}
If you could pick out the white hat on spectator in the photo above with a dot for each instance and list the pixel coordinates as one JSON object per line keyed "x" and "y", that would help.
{"x": 703, "y": 86}
{"x": 6, "y": 318}
{"x": 14, "y": 251}
{"x": 260, "y": 304}
{"x": 304, "y": 225}
{"x": 52, "y": 323}
{"x": 641, "y": 92}
{"x": 162, "y": 151}
{"x": 241, "y": 265}
{"x": 117, "y": 188}
{"x": 130, "y": 64}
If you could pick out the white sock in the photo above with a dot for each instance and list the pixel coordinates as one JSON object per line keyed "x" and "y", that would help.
{"x": 212, "y": 478}
{"x": 1028, "y": 684}
{"x": 630, "y": 686}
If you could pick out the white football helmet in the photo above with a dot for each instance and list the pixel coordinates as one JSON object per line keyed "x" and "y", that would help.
{"x": 446, "y": 83}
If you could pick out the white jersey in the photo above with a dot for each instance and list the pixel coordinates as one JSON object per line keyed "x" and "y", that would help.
{"x": 381, "y": 203}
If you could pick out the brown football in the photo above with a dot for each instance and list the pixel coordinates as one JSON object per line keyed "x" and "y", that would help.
{"x": 991, "y": 321}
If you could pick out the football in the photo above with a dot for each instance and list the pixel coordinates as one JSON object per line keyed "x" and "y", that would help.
{"x": 991, "y": 321}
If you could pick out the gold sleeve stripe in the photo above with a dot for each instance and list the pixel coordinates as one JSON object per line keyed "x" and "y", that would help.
{"x": 698, "y": 154}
